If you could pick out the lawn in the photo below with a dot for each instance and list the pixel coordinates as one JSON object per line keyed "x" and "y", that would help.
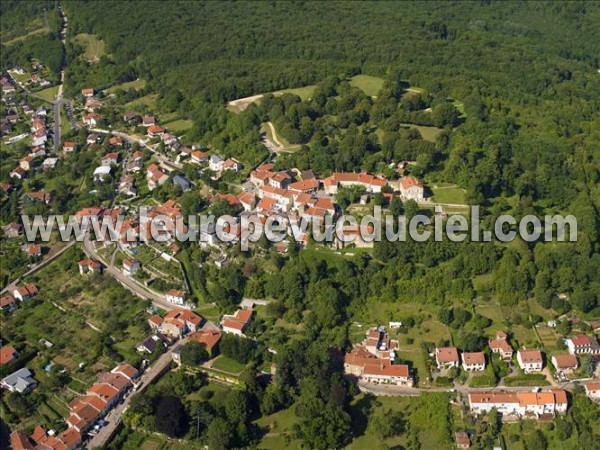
{"x": 427, "y": 420}
{"x": 368, "y": 84}
{"x": 304, "y": 92}
{"x": 94, "y": 47}
{"x": 227, "y": 365}
{"x": 279, "y": 430}
{"x": 47, "y": 94}
{"x": 147, "y": 101}
{"x": 179, "y": 125}
{"x": 136, "y": 84}
{"x": 428, "y": 133}
{"x": 448, "y": 194}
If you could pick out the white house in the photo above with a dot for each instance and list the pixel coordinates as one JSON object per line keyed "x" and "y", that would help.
{"x": 215, "y": 163}
{"x": 583, "y": 344}
{"x": 521, "y": 404}
{"x": 592, "y": 390}
{"x": 565, "y": 363}
{"x": 530, "y": 360}
{"x": 130, "y": 267}
{"x": 473, "y": 361}
{"x": 412, "y": 189}
{"x": 175, "y": 296}
{"x": 446, "y": 357}
{"x": 101, "y": 173}
{"x": 237, "y": 323}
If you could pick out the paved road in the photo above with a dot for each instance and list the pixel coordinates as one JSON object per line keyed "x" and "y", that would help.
{"x": 37, "y": 267}
{"x": 114, "y": 416}
{"x": 160, "y": 157}
{"x": 157, "y": 300}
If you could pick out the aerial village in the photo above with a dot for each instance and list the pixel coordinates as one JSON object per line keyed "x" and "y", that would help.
{"x": 144, "y": 162}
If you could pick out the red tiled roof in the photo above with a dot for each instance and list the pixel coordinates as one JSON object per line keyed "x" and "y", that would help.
{"x": 531, "y": 356}
{"x": 408, "y": 182}
{"x": 7, "y": 354}
{"x": 208, "y": 338}
{"x": 126, "y": 369}
{"x": 565, "y": 361}
{"x": 386, "y": 369}
{"x": 581, "y": 340}
{"x": 446, "y": 354}
{"x": 473, "y": 358}
{"x": 18, "y": 441}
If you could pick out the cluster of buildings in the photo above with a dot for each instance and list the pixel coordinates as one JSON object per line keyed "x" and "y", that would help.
{"x": 374, "y": 360}
{"x": 84, "y": 411}
{"x": 37, "y": 155}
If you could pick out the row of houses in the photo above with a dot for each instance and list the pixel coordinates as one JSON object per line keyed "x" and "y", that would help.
{"x": 84, "y": 411}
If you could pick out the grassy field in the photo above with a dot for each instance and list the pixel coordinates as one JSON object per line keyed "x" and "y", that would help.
{"x": 179, "y": 125}
{"x": 136, "y": 84}
{"x": 147, "y": 100}
{"x": 279, "y": 430}
{"x": 304, "y": 92}
{"x": 47, "y": 94}
{"x": 448, "y": 194}
{"x": 227, "y": 365}
{"x": 428, "y": 133}
{"x": 94, "y": 47}
{"x": 368, "y": 84}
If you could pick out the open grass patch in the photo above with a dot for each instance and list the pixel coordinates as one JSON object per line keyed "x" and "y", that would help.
{"x": 368, "y": 84}
{"x": 135, "y": 84}
{"x": 148, "y": 101}
{"x": 179, "y": 125}
{"x": 48, "y": 94}
{"x": 450, "y": 194}
{"x": 93, "y": 47}
{"x": 304, "y": 92}
{"x": 227, "y": 365}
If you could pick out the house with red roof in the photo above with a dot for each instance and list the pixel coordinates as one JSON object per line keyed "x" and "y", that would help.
{"x": 446, "y": 357}
{"x": 412, "y": 189}
{"x": 87, "y": 92}
{"x": 530, "y": 360}
{"x": 462, "y": 440}
{"x": 8, "y": 354}
{"x": 156, "y": 130}
{"x": 89, "y": 266}
{"x": 25, "y": 292}
{"x": 7, "y": 303}
{"x": 209, "y": 339}
{"x": 521, "y": 404}
{"x": 473, "y": 361}
{"x": 583, "y": 344}
{"x": 565, "y": 363}
{"x": 501, "y": 346}
{"x": 373, "y": 360}
{"x": 592, "y": 389}
{"x": 369, "y": 182}
{"x": 175, "y": 296}
{"x": 176, "y": 323}
{"x": 238, "y": 322}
